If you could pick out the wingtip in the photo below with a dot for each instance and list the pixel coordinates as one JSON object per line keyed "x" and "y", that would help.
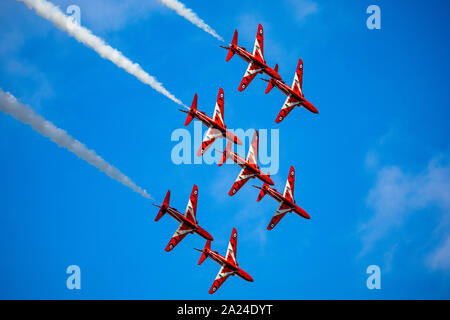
{"x": 200, "y": 152}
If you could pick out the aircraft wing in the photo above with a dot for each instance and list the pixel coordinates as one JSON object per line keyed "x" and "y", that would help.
{"x": 258, "y": 48}
{"x": 182, "y": 231}
{"x": 252, "y": 155}
{"x": 289, "y": 104}
{"x": 231, "y": 251}
{"x": 250, "y": 74}
{"x": 279, "y": 214}
{"x": 218, "y": 110}
{"x": 297, "y": 84}
{"x": 242, "y": 178}
{"x": 223, "y": 275}
{"x": 191, "y": 209}
{"x": 210, "y": 136}
{"x": 289, "y": 188}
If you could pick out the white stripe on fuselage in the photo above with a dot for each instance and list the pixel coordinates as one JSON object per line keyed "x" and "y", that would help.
{"x": 279, "y": 197}
{"x": 181, "y": 232}
{"x": 210, "y": 123}
{"x": 179, "y": 217}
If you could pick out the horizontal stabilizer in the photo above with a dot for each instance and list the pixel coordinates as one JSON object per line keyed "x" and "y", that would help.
{"x": 269, "y": 86}
{"x": 262, "y": 193}
{"x": 233, "y": 43}
{"x": 191, "y": 111}
{"x": 204, "y": 252}
{"x": 164, "y": 206}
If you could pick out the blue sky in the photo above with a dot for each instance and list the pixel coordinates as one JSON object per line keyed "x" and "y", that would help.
{"x": 372, "y": 168}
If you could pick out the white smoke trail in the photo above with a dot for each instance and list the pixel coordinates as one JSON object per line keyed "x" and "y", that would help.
{"x": 52, "y": 13}
{"x": 187, "y": 13}
{"x": 10, "y": 105}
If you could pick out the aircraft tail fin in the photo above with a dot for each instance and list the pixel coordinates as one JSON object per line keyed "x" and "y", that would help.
{"x": 163, "y": 207}
{"x": 204, "y": 252}
{"x": 233, "y": 43}
{"x": 191, "y": 111}
{"x": 225, "y": 154}
{"x": 262, "y": 193}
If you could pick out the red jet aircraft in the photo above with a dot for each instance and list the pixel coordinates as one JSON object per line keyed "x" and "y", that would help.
{"x": 286, "y": 200}
{"x": 256, "y": 61}
{"x": 216, "y": 124}
{"x": 250, "y": 168}
{"x": 188, "y": 221}
{"x": 294, "y": 93}
{"x": 230, "y": 267}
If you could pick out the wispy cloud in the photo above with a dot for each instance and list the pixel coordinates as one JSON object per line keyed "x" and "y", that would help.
{"x": 10, "y": 105}
{"x": 398, "y": 194}
{"x": 111, "y": 15}
{"x": 49, "y": 11}
{"x": 11, "y": 42}
{"x": 303, "y": 8}
{"x": 191, "y": 16}
{"x": 439, "y": 259}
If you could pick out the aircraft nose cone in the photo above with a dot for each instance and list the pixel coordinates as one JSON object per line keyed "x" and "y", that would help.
{"x": 308, "y": 105}
{"x": 304, "y": 214}
{"x": 245, "y": 275}
{"x": 270, "y": 181}
{"x": 205, "y": 234}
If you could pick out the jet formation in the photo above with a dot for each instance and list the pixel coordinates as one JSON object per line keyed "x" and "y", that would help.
{"x": 250, "y": 169}
{"x": 257, "y": 64}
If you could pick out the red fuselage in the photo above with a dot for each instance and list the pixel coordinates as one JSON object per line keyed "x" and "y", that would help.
{"x": 250, "y": 58}
{"x": 210, "y": 123}
{"x": 283, "y": 87}
{"x": 282, "y": 199}
{"x": 244, "y": 164}
{"x": 174, "y": 213}
{"x": 230, "y": 263}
